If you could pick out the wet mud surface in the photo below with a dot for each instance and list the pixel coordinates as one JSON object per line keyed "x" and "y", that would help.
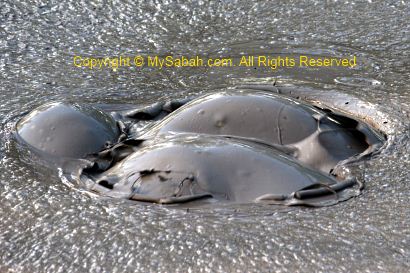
{"x": 240, "y": 146}
{"x": 48, "y": 224}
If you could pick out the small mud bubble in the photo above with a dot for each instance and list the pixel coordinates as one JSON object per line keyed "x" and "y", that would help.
{"x": 66, "y": 130}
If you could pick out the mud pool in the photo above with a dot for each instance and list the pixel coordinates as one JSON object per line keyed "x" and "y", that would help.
{"x": 47, "y": 225}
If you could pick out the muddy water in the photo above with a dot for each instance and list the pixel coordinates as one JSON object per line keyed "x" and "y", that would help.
{"x": 48, "y": 226}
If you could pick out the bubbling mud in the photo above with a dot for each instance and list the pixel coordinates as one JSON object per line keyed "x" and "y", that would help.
{"x": 317, "y": 138}
{"x": 63, "y": 130}
{"x": 233, "y": 146}
{"x": 190, "y": 167}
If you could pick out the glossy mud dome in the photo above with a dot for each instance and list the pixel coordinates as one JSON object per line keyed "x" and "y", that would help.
{"x": 241, "y": 146}
{"x": 187, "y": 169}
{"x": 67, "y": 131}
{"x": 48, "y": 226}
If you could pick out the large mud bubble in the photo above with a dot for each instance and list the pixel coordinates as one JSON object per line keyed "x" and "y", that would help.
{"x": 233, "y": 146}
{"x": 317, "y": 138}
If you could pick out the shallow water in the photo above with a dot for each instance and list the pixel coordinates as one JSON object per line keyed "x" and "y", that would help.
{"x": 47, "y": 226}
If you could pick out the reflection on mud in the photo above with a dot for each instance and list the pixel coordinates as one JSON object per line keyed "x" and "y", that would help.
{"x": 242, "y": 146}
{"x": 46, "y": 227}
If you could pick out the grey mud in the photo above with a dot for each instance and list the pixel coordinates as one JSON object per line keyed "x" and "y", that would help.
{"x": 232, "y": 146}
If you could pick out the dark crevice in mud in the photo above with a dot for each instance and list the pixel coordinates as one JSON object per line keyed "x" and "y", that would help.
{"x": 106, "y": 184}
{"x": 109, "y": 156}
{"x": 343, "y": 121}
{"x": 156, "y": 111}
{"x": 323, "y": 189}
{"x": 358, "y": 132}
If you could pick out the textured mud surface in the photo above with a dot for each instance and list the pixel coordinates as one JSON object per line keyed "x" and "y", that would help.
{"x": 47, "y": 227}
{"x": 243, "y": 146}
